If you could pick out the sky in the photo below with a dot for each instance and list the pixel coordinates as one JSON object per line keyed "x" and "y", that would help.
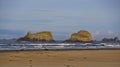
{"x": 62, "y": 17}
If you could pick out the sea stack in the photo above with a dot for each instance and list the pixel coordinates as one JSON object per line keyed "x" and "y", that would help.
{"x": 44, "y": 36}
{"x": 116, "y": 39}
{"x": 81, "y": 36}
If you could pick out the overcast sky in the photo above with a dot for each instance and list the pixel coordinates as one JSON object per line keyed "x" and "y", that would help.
{"x": 62, "y": 17}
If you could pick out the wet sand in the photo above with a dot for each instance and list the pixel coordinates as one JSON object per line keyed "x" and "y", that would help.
{"x": 72, "y": 58}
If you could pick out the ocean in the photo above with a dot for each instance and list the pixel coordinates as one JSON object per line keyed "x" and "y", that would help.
{"x": 24, "y": 45}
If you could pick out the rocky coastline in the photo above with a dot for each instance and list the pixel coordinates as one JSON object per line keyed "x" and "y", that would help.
{"x": 46, "y": 36}
{"x": 81, "y": 36}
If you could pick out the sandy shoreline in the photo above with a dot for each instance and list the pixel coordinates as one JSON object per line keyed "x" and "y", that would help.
{"x": 72, "y": 58}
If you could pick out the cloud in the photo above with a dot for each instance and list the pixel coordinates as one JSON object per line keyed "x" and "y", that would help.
{"x": 97, "y": 33}
{"x": 109, "y": 32}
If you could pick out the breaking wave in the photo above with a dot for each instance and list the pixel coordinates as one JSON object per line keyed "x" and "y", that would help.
{"x": 12, "y": 45}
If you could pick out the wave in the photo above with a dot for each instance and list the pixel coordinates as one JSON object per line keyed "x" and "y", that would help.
{"x": 12, "y": 45}
{"x": 57, "y": 46}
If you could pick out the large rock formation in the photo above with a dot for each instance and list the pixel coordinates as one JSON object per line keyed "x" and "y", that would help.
{"x": 81, "y": 36}
{"x": 45, "y": 36}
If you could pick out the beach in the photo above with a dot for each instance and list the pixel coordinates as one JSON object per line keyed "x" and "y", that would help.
{"x": 61, "y": 58}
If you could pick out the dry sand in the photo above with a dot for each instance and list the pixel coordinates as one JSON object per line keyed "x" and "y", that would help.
{"x": 72, "y": 58}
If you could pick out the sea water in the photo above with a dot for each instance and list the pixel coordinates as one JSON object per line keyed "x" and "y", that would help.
{"x": 24, "y": 45}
